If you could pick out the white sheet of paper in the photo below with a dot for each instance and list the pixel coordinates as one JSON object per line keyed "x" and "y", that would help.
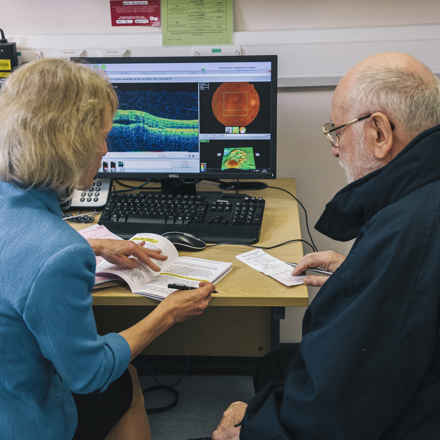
{"x": 270, "y": 266}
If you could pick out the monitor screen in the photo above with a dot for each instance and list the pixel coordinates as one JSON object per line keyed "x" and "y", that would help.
{"x": 208, "y": 117}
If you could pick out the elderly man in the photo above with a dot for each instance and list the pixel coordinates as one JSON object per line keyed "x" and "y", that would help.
{"x": 368, "y": 366}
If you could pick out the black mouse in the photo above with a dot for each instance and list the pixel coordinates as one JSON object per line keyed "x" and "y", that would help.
{"x": 184, "y": 241}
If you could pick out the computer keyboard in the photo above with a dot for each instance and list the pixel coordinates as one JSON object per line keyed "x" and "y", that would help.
{"x": 215, "y": 217}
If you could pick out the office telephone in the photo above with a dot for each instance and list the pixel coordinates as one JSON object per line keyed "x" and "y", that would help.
{"x": 95, "y": 196}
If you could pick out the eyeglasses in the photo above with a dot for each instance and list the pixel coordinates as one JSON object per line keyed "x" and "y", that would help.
{"x": 332, "y": 133}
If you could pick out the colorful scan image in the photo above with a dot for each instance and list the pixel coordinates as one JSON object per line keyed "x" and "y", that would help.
{"x": 235, "y": 104}
{"x": 238, "y": 158}
{"x": 156, "y": 119}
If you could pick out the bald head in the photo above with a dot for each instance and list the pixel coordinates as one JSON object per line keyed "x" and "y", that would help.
{"x": 395, "y": 83}
{"x": 397, "y": 61}
{"x": 400, "y": 97}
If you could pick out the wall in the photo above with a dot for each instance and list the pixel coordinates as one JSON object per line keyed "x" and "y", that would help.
{"x": 303, "y": 152}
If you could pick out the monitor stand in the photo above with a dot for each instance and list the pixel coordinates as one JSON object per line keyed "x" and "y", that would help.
{"x": 174, "y": 185}
{"x": 177, "y": 186}
{"x": 242, "y": 185}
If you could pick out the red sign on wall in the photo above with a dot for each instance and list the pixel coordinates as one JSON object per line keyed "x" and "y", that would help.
{"x": 135, "y": 12}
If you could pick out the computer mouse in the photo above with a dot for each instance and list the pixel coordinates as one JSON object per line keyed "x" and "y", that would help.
{"x": 185, "y": 241}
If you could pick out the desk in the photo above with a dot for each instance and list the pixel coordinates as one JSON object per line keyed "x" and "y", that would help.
{"x": 240, "y": 318}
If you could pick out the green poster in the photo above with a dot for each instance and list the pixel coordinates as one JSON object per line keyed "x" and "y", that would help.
{"x": 196, "y": 22}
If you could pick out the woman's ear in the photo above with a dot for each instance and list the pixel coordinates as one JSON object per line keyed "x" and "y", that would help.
{"x": 380, "y": 136}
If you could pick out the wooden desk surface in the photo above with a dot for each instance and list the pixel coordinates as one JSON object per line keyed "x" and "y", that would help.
{"x": 243, "y": 286}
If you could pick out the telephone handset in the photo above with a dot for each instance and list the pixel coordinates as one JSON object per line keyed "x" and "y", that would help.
{"x": 95, "y": 196}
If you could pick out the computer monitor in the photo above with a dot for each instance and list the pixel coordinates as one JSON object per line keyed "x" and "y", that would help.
{"x": 182, "y": 118}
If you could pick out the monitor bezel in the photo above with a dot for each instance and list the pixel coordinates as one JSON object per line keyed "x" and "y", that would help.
{"x": 212, "y": 175}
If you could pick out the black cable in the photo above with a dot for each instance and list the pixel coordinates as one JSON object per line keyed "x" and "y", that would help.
{"x": 314, "y": 247}
{"x": 159, "y": 409}
{"x": 186, "y": 371}
{"x": 286, "y": 242}
{"x": 170, "y": 388}
{"x": 265, "y": 247}
{"x": 3, "y": 40}
{"x": 129, "y": 187}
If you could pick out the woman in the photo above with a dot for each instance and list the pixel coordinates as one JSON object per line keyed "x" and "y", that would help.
{"x": 54, "y": 119}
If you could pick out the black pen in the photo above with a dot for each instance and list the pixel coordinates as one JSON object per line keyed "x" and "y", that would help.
{"x": 184, "y": 287}
{"x": 316, "y": 270}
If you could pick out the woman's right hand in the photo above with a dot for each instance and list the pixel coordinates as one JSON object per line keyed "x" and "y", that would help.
{"x": 184, "y": 304}
{"x": 327, "y": 260}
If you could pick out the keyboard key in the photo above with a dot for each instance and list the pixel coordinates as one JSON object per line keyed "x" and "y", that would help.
{"x": 146, "y": 220}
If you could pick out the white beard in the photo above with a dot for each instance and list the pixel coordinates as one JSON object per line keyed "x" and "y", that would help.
{"x": 348, "y": 173}
{"x": 363, "y": 162}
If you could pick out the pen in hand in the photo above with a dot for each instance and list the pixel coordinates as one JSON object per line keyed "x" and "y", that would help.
{"x": 316, "y": 270}
{"x": 184, "y": 287}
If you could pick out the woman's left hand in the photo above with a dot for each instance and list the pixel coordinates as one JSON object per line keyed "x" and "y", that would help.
{"x": 121, "y": 253}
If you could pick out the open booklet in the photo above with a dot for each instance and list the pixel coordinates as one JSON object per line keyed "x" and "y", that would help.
{"x": 188, "y": 271}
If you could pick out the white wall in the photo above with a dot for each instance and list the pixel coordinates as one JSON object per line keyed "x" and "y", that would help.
{"x": 302, "y": 151}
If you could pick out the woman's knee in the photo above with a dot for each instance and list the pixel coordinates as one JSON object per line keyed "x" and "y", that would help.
{"x": 138, "y": 394}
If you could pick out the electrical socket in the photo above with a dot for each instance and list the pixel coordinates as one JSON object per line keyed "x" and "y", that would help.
{"x": 216, "y": 50}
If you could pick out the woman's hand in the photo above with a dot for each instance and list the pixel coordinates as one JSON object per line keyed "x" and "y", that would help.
{"x": 184, "y": 304}
{"x": 121, "y": 253}
{"x": 228, "y": 428}
{"x": 327, "y": 260}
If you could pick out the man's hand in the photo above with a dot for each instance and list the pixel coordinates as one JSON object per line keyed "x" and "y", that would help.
{"x": 121, "y": 253}
{"x": 327, "y": 260}
{"x": 184, "y": 304}
{"x": 227, "y": 428}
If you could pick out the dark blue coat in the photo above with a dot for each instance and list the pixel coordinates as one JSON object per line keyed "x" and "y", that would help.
{"x": 369, "y": 361}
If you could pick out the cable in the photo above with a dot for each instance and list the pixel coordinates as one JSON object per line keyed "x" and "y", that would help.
{"x": 286, "y": 242}
{"x": 170, "y": 388}
{"x": 159, "y": 409}
{"x": 294, "y": 240}
{"x": 3, "y": 40}
{"x": 131, "y": 188}
{"x": 314, "y": 247}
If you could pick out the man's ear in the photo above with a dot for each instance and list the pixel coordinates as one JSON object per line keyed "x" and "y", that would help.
{"x": 380, "y": 136}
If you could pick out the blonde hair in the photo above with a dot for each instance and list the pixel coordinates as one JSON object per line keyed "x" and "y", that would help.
{"x": 51, "y": 115}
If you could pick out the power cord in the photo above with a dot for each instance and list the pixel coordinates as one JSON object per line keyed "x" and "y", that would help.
{"x": 131, "y": 188}
{"x": 158, "y": 409}
{"x": 295, "y": 240}
{"x": 306, "y": 217}
{"x": 169, "y": 388}
{"x": 3, "y": 40}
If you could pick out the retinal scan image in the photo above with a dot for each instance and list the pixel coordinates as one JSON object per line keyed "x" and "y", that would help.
{"x": 238, "y": 158}
{"x": 159, "y": 118}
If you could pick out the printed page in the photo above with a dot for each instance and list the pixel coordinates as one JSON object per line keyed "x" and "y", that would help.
{"x": 197, "y": 269}
{"x": 158, "y": 287}
{"x": 138, "y": 277}
{"x": 270, "y": 266}
{"x": 188, "y": 271}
